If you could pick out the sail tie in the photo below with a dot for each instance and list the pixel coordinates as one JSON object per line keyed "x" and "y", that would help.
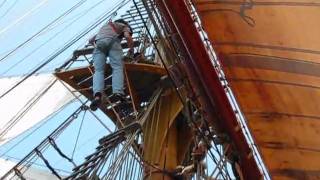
{"x": 19, "y": 174}
{"x": 47, "y": 163}
{"x": 55, "y": 146}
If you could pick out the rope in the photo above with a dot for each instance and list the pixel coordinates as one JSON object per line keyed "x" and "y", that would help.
{"x": 25, "y": 110}
{"x": 3, "y": 2}
{"x": 33, "y": 163}
{"x": 247, "y": 4}
{"x": 96, "y": 117}
{"x": 47, "y": 163}
{"x": 41, "y": 125}
{"x": 76, "y": 143}
{"x": 55, "y": 146}
{"x": 44, "y": 29}
{"x": 167, "y": 140}
{"x": 52, "y": 37}
{"x": 23, "y": 16}
{"x": 61, "y": 50}
{"x": 159, "y": 53}
{"x": 44, "y": 144}
{"x": 119, "y": 162}
{"x": 19, "y": 174}
{"x": 9, "y": 9}
{"x": 194, "y": 124}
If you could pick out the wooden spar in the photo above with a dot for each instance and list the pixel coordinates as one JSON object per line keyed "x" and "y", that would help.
{"x": 161, "y": 138}
{"x": 200, "y": 63}
{"x": 271, "y": 54}
{"x": 162, "y": 149}
{"x": 140, "y": 76}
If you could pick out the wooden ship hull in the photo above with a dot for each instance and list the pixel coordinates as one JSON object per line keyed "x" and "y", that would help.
{"x": 270, "y": 51}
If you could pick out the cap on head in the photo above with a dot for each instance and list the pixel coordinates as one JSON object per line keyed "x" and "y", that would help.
{"x": 124, "y": 22}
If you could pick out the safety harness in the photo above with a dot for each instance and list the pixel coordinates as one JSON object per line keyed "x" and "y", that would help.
{"x": 113, "y": 40}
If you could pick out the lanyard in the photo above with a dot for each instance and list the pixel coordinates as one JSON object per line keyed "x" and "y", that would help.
{"x": 113, "y": 27}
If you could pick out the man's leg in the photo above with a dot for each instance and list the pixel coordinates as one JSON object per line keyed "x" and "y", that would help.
{"x": 99, "y": 62}
{"x": 116, "y": 63}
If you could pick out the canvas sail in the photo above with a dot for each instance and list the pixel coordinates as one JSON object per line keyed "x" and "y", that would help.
{"x": 29, "y": 103}
{"x": 270, "y": 51}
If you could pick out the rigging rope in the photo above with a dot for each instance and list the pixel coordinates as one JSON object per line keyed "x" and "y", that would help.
{"x": 178, "y": 92}
{"x": 119, "y": 161}
{"x": 10, "y": 8}
{"x": 7, "y": 127}
{"x": 55, "y": 146}
{"x": 22, "y": 81}
{"x": 96, "y": 117}
{"x": 19, "y": 174}
{"x": 23, "y": 16}
{"x": 78, "y": 135}
{"x": 44, "y": 144}
{"x": 3, "y": 2}
{"x": 159, "y": 53}
{"x": 47, "y": 163}
{"x": 67, "y": 45}
{"x": 51, "y": 38}
{"x": 33, "y": 131}
{"x": 44, "y": 28}
{"x": 76, "y": 17}
{"x": 116, "y": 165}
{"x": 34, "y": 163}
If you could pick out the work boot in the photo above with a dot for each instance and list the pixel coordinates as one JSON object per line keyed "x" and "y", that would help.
{"x": 121, "y": 104}
{"x": 117, "y": 97}
{"x": 95, "y": 102}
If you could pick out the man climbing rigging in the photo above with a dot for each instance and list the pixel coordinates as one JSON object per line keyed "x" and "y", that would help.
{"x": 108, "y": 44}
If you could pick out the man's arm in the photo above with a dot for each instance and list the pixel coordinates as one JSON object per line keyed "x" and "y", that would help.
{"x": 92, "y": 39}
{"x": 129, "y": 41}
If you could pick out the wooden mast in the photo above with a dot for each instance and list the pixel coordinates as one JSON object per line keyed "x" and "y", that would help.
{"x": 162, "y": 149}
{"x": 161, "y": 137}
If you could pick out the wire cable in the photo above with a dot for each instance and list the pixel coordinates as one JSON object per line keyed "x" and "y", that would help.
{"x": 24, "y": 110}
{"x": 3, "y": 2}
{"x": 43, "y": 29}
{"x": 78, "y": 135}
{"x": 9, "y": 9}
{"x": 45, "y": 143}
{"x": 46, "y": 120}
{"x": 51, "y": 38}
{"x": 34, "y": 163}
{"x": 67, "y": 45}
{"x": 81, "y": 14}
{"x": 23, "y": 16}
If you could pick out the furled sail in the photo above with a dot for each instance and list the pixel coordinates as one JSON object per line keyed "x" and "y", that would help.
{"x": 271, "y": 53}
{"x": 29, "y": 103}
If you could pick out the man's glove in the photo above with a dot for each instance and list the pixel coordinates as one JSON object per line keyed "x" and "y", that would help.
{"x": 92, "y": 40}
{"x": 130, "y": 53}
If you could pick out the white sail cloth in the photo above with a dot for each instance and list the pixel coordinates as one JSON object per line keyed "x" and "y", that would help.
{"x": 5, "y": 166}
{"x": 32, "y": 173}
{"x": 29, "y": 103}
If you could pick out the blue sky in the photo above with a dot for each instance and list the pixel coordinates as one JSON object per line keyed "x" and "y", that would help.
{"x": 21, "y": 19}
{"x": 16, "y": 26}
{"x": 17, "y": 32}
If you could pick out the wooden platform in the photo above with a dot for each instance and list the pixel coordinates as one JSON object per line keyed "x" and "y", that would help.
{"x": 163, "y": 127}
{"x": 271, "y": 56}
{"x": 143, "y": 79}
